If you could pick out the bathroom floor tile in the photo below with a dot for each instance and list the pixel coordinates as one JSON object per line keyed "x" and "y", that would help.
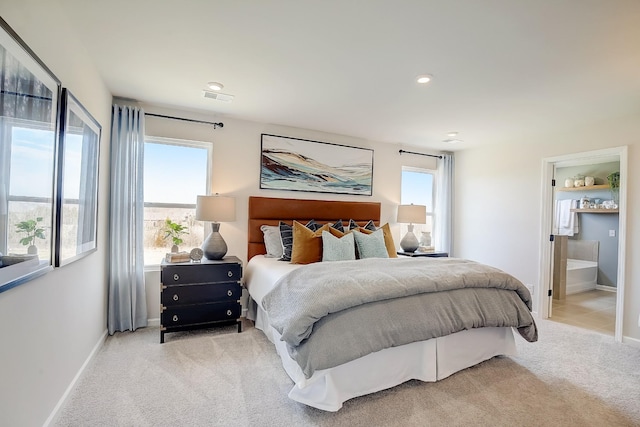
{"x": 594, "y": 310}
{"x": 568, "y": 310}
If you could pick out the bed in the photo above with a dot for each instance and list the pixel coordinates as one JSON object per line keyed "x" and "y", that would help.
{"x": 324, "y": 377}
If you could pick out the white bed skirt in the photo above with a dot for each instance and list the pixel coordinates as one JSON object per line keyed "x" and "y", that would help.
{"x": 429, "y": 361}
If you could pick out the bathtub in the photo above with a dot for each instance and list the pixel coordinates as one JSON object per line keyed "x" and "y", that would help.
{"x": 581, "y": 275}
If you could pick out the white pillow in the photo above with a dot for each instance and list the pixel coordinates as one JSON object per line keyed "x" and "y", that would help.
{"x": 272, "y": 241}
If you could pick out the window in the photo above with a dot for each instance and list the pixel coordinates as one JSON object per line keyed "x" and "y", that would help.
{"x": 30, "y": 150}
{"x": 175, "y": 172}
{"x": 418, "y": 187}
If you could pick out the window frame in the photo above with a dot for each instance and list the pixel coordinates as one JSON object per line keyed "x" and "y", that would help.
{"x": 208, "y": 145}
{"x": 434, "y": 198}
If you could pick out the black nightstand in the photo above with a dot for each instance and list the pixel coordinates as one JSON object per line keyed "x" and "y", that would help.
{"x": 427, "y": 254}
{"x": 197, "y": 295}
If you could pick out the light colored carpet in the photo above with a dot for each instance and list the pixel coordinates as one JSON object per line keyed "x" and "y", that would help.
{"x": 217, "y": 377}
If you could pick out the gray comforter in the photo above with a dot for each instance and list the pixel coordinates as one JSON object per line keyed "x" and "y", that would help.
{"x": 332, "y": 313}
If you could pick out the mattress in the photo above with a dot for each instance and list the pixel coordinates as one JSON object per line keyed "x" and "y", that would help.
{"x": 328, "y": 389}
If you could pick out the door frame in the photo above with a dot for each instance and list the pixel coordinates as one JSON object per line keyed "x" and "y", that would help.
{"x": 546, "y": 217}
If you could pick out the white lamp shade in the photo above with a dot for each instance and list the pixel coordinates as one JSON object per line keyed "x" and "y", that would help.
{"x": 412, "y": 214}
{"x": 216, "y": 208}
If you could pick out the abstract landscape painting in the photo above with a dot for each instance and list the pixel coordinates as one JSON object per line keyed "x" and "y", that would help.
{"x": 303, "y": 165}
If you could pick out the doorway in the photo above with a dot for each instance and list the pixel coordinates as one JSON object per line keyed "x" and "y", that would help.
{"x": 596, "y": 299}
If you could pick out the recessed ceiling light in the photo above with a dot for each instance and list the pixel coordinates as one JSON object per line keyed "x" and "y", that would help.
{"x": 424, "y": 78}
{"x": 452, "y": 134}
{"x": 215, "y": 86}
{"x": 452, "y": 141}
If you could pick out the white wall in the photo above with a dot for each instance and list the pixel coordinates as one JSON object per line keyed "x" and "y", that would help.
{"x": 498, "y": 202}
{"x": 236, "y": 171}
{"x": 49, "y": 326}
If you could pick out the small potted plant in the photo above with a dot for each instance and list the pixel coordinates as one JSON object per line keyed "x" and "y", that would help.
{"x": 614, "y": 184}
{"x": 174, "y": 230}
{"x": 33, "y": 231}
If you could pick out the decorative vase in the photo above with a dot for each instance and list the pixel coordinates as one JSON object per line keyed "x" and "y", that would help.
{"x": 32, "y": 250}
{"x": 589, "y": 181}
{"x": 615, "y": 195}
{"x": 175, "y": 249}
{"x": 585, "y": 203}
{"x": 568, "y": 182}
{"x": 214, "y": 246}
{"x": 425, "y": 239}
{"x": 409, "y": 242}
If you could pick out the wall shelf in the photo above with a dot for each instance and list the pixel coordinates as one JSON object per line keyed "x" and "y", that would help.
{"x": 589, "y": 188}
{"x": 598, "y": 211}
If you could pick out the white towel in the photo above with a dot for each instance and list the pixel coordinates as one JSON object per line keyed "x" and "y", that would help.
{"x": 565, "y": 221}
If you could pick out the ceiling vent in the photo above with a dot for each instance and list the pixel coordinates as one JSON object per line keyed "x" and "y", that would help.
{"x": 223, "y": 97}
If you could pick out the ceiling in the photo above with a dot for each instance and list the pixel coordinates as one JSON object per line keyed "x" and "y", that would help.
{"x": 501, "y": 68}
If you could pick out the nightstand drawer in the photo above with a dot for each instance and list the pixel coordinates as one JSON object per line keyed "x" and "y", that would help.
{"x": 203, "y": 313}
{"x": 205, "y": 273}
{"x": 203, "y": 293}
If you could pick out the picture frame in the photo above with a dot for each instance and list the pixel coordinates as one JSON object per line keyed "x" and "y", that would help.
{"x": 29, "y": 123}
{"x": 294, "y": 164}
{"x": 77, "y": 184}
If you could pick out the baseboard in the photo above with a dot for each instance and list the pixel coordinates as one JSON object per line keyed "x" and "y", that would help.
{"x": 607, "y": 288}
{"x": 631, "y": 341}
{"x": 153, "y": 322}
{"x": 94, "y": 351}
{"x": 576, "y": 288}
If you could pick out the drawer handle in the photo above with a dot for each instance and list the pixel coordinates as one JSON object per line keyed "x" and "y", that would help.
{"x": 175, "y": 297}
{"x": 230, "y": 273}
{"x": 176, "y": 277}
{"x": 229, "y": 293}
{"x": 229, "y": 313}
{"x": 175, "y": 317}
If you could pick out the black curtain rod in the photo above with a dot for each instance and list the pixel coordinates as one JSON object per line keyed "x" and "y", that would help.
{"x": 215, "y": 125}
{"x": 420, "y": 154}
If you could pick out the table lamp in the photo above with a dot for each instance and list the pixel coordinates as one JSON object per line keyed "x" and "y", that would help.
{"x": 411, "y": 214}
{"x": 215, "y": 209}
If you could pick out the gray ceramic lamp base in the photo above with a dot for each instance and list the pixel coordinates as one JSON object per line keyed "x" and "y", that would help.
{"x": 214, "y": 246}
{"x": 409, "y": 242}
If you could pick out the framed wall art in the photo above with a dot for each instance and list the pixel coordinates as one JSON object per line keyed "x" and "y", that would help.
{"x": 77, "y": 186}
{"x": 29, "y": 107}
{"x": 303, "y": 165}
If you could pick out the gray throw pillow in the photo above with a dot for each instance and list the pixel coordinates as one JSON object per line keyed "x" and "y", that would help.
{"x": 370, "y": 245}
{"x": 272, "y": 241}
{"x": 338, "y": 248}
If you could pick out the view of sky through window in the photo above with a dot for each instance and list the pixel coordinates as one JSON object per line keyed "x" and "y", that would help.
{"x": 32, "y": 156}
{"x": 417, "y": 188}
{"x": 174, "y": 173}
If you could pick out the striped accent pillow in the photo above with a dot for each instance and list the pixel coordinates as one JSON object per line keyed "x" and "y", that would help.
{"x": 286, "y": 235}
{"x": 369, "y": 225}
{"x": 338, "y": 226}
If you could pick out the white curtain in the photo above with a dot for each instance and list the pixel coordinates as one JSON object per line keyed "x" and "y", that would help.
{"x": 5, "y": 169}
{"x": 443, "y": 234}
{"x": 88, "y": 188}
{"x": 127, "y": 302}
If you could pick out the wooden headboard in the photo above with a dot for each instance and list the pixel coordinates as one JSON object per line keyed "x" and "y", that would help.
{"x": 269, "y": 211}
